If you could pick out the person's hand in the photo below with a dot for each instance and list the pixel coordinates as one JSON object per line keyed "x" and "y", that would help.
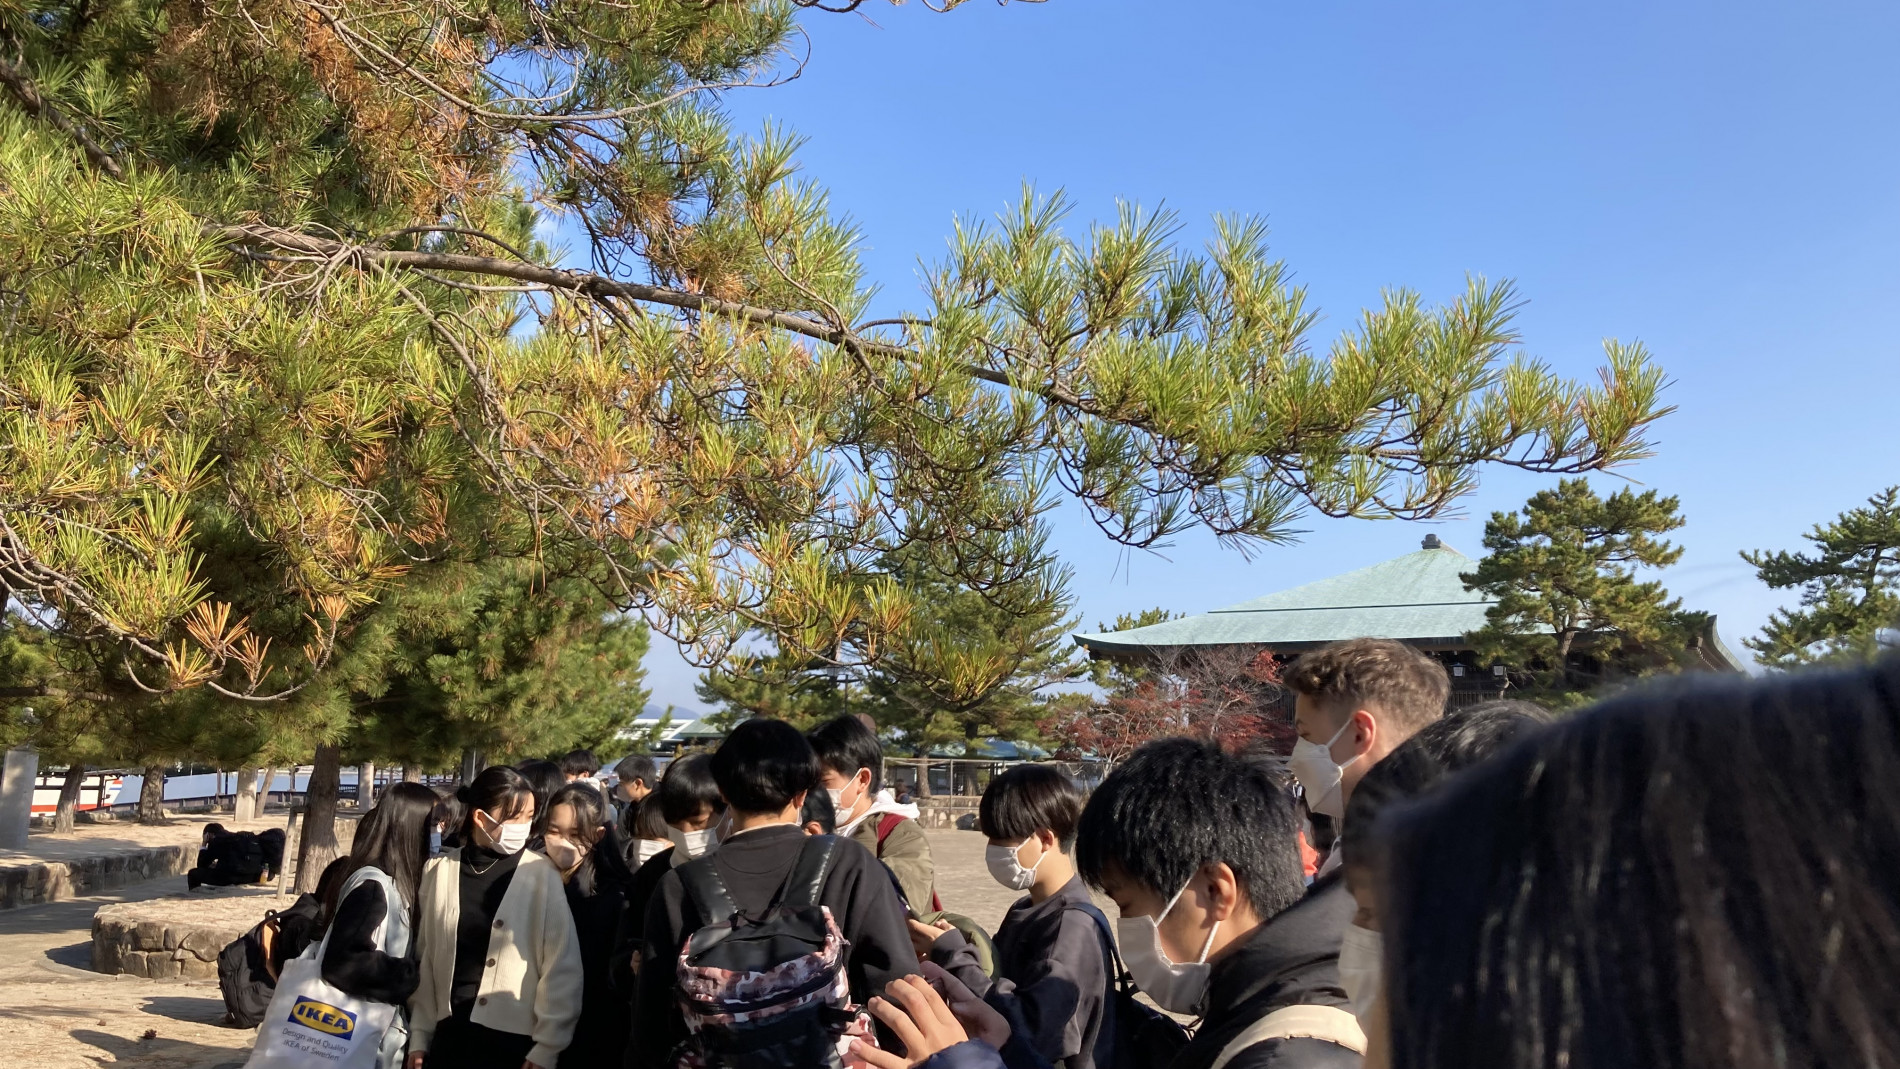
{"x": 978, "y": 1017}
{"x": 919, "y": 1018}
{"x": 530, "y": 1065}
{"x": 414, "y": 1061}
{"x": 924, "y": 936}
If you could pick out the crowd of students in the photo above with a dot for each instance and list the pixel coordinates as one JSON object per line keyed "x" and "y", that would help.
{"x": 1699, "y": 873}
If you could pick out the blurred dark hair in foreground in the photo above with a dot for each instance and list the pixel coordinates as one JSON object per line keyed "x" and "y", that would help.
{"x": 1702, "y": 874}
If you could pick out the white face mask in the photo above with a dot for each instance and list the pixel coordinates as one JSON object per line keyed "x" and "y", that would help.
{"x": 510, "y": 838}
{"x": 1007, "y": 869}
{"x": 1319, "y": 775}
{"x": 565, "y": 853}
{"x": 644, "y": 850}
{"x": 1361, "y": 957}
{"x": 1175, "y": 988}
{"x": 838, "y": 807}
{"x": 688, "y": 845}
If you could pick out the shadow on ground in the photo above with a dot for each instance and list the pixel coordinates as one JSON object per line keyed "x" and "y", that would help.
{"x": 157, "y": 1052}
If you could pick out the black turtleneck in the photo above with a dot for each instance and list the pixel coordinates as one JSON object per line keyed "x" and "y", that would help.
{"x": 1291, "y": 960}
{"x": 485, "y": 876}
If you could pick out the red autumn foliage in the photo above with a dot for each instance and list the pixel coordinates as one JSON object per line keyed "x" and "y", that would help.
{"x": 1230, "y": 694}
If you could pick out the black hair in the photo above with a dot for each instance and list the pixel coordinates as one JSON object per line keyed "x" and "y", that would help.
{"x": 450, "y": 813}
{"x": 636, "y": 767}
{"x": 687, "y": 788}
{"x": 844, "y": 745}
{"x": 1179, "y": 804}
{"x": 1695, "y": 875}
{"x": 763, "y": 765}
{"x": 605, "y": 865}
{"x": 211, "y": 831}
{"x": 393, "y": 837}
{"x": 579, "y": 763}
{"x": 330, "y": 880}
{"x": 1027, "y": 799}
{"x": 819, "y": 810}
{"x": 499, "y": 789}
{"x": 1464, "y": 738}
{"x": 544, "y": 778}
{"x": 645, "y": 818}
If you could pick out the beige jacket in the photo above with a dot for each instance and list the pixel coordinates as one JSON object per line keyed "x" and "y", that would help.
{"x": 532, "y": 983}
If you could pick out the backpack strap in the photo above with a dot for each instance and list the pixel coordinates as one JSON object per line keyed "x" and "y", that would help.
{"x": 1327, "y": 1023}
{"x": 887, "y": 824}
{"x": 707, "y": 890}
{"x": 806, "y": 883}
{"x": 1112, "y": 955}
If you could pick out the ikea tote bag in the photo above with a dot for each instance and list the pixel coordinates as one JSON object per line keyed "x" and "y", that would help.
{"x": 313, "y": 1025}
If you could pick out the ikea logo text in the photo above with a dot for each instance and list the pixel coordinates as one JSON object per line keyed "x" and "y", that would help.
{"x": 323, "y": 1017}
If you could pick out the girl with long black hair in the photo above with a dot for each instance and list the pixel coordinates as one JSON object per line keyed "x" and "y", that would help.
{"x": 500, "y": 983}
{"x": 369, "y": 911}
{"x": 585, "y": 847}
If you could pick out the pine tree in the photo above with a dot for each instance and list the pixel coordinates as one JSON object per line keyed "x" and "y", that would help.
{"x": 273, "y": 261}
{"x": 1850, "y": 589}
{"x": 966, "y": 665}
{"x": 1569, "y": 609}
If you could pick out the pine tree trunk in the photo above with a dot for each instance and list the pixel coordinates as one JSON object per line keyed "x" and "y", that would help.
{"x": 263, "y": 789}
{"x": 318, "y": 846}
{"x": 244, "y": 807}
{"x": 67, "y": 815}
{"x": 365, "y": 785}
{"x": 411, "y": 774}
{"x": 152, "y": 795}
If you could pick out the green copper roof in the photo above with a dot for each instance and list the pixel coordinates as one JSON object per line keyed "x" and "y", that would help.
{"x": 1417, "y": 597}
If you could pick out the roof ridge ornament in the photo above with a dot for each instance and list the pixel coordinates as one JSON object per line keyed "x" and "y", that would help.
{"x": 1431, "y": 542}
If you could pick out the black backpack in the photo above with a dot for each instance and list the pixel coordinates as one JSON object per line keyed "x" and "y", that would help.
{"x": 769, "y": 992}
{"x": 1141, "y": 1036}
{"x": 247, "y": 966}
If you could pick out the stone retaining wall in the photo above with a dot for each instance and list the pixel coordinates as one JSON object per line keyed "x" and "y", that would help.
{"x": 171, "y": 938}
{"x": 957, "y": 811}
{"x": 57, "y": 881}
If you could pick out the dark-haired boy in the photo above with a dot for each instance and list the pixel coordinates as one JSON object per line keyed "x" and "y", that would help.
{"x": 1198, "y": 849}
{"x": 1051, "y": 958}
{"x": 852, "y": 771}
{"x": 764, "y": 770}
{"x": 1427, "y": 759}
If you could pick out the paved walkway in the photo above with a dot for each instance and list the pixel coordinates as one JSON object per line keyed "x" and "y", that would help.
{"x": 55, "y": 1013}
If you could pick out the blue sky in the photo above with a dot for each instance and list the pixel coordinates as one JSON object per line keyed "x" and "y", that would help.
{"x": 1719, "y": 181}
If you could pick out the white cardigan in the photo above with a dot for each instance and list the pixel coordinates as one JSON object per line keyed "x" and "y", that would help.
{"x": 531, "y": 984}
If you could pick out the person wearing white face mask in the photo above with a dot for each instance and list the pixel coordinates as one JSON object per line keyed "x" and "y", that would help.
{"x": 500, "y": 965}
{"x": 583, "y": 844}
{"x": 690, "y": 809}
{"x": 764, "y": 769}
{"x": 1052, "y": 956}
{"x": 851, "y": 763}
{"x": 1355, "y": 702}
{"x": 1199, "y": 850}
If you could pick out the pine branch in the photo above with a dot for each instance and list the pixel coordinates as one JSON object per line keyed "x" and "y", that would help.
{"x": 39, "y": 107}
{"x": 589, "y": 284}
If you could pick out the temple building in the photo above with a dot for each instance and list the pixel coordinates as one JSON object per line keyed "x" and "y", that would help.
{"x": 1417, "y": 599}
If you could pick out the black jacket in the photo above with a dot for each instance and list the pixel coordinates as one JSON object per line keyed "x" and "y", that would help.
{"x": 352, "y": 963}
{"x": 1291, "y": 960}
{"x": 1049, "y": 962}
{"x": 599, "y": 902}
{"x": 754, "y": 865}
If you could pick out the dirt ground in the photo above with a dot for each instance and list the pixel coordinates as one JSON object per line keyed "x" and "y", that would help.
{"x": 59, "y": 1014}
{"x": 104, "y": 838}
{"x": 56, "y": 1014}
